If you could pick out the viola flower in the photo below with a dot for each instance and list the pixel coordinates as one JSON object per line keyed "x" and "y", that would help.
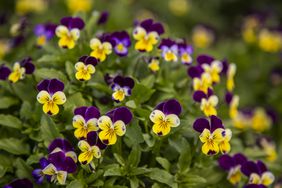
{"x": 169, "y": 50}
{"x": 51, "y": 95}
{"x": 113, "y": 124}
{"x": 44, "y": 32}
{"x": 260, "y": 120}
{"x": 242, "y": 121}
{"x": 154, "y": 64}
{"x": 208, "y": 106}
{"x": 90, "y": 148}
{"x": 5, "y": 47}
{"x": 69, "y": 31}
{"x": 4, "y": 72}
{"x": 232, "y": 164}
{"x": 21, "y": 68}
{"x": 270, "y": 41}
{"x": 37, "y": 174}
{"x": 204, "y": 83}
{"x": 233, "y": 106}
{"x": 258, "y": 174}
{"x": 62, "y": 145}
{"x": 214, "y": 136}
{"x": 103, "y": 18}
{"x": 269, "y": 148}
{"x": 147, "y": 34}
{"x": 79, "y": 6}
{"x": 85, "y": 121}
{"x": 202, "y": 37}
{"x": 85, "y": 67}
{"x": 27, "y": 6}
{"x": 250, "y": 28}
{"x": 121, "y": 42}
{"x": 121, "y": 87}
{"x": 231, "y": 71}
{"x": 214, "y": 69}
{"x": 101, "y": 47}
{"x": 185, "y": 52}
{"x": 165, "y": 116}
{"x": 20, "y": 183}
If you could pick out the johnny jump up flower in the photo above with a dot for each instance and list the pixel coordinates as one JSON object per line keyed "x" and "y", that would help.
{"x": 147, "y": 34}
{"x": 165, "y": 116}
{"x": 260, "y": 120}
{"x": 269, "y": 148}
{"x": 51, "y": 95}
{"x": 113, "y": 124}
{"x": 154, "y": 64}
{"x": 85, "y": 121}
{"x": 214, "y": 69}
{"x": 75, "y": 6}
{"x": 185, "y": 52}
{"x": 101, "y": 47}
{"x": 121, "y": 87}
{"x": 121, "y": 42}
{"x": 202, "y": 37}
{"x": 4, "y": 72}
{"x": 85, "y": 67}
{"x": 214, "y": 136}
{"x": 208, "y": 106}
{"x": 37, "y": 174}
{"x": 69, "y": 31}
{"x": 20, "y": 69}
{"x": 44, "y": 32}
{"x": 232, "y": 164}
{"x": 169, "y": 50}
{"x": 231, "y": 71}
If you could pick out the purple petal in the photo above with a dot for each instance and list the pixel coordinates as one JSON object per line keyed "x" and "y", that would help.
{"x": 43, "y": 85}
{"x": 199, "y": 95}
{"x": 172, "y": 106}
{"x": 129, "y": 82}
{"x": 200, "y": 124}
{"x": 4, "y": 72}
{"x": 77, "y": 23}
{"x": 29, "y": 67}
{"x": 100, "y": 144}
{"x": 55, "y": 85}
{"x": 255, "y": 186}
{"x": 225, "y": 66}
{"x": 226, "y": 162}
{"x": 61, "y": 162}
{"x": 261, "y": 166}
{"x": 91, "y": 60}
{"x": 43, "y": 162}
{"x": 239, "y": 159}
{"x": 158, "y": 27}
{"x": 228, "y": 97}
{"x": 60, "y": 143}
{"x": 80, "y": 111}
{"x": 123, "y": 114}
{"x": 204, "y": 59}
{"x": 160, "y": 106}
{"x": 92, "y": 138}
{"x": 66, "y": 21}
{"x": 210, "y": 92}
{"x": 249, "y": 167}
{"x": 69, "y": 165}
{"x": 146, "y": 24}
{"x": 195, "y": 71}
{"x": 119, "y": 80}
{"x": 215, "y": 123}
{"x": 39, "y": 29}
{"x": 38, "y": 176}
{"x": 20, "y": 183}
{"x": 92, "y": 112}
{"x": 103, "y": 18}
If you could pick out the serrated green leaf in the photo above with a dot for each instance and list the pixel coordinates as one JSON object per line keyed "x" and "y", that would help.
{"x": 14, "y": 146}
{"x": 6, "y": 102}
{"x": 113, "y": 170}
{"x": 161, "y": 176}
{"x": 10, "y": 121}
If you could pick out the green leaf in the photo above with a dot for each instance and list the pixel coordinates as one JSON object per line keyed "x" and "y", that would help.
{"x": 75, "y": 100}
{"x": 25, "y": 111}
{"x": 193, "y": 179}
{"x": 70, "y": 70}
{"x": 2, "y": 171}
{"x": 49, "y": 58}
{"x": 141, "y": 93}
{"x": 75, "y": 184}
{"x": 50, "y": 73}
{"x": 130, "y": 104}
{"x": 48, "y": 129}
{"x": 113, "y": 170}
{"x": 10, "y": 121}
{"x": 161, "y": 176}
{"x": 134, "y": 133}
{"x": 6, "y": 102}
{"x": 14, "y": 146}
{"x": 149, "y": 81}
{"x": 134, "y": 182}
{"x": 184, "y": 159}
{"x": 119, "y": 159}
{"x": 163, "y": 162}
{"x": 22, "y": 169}
{"x": 134, "y": 156}
{"x": 139, "y": 171}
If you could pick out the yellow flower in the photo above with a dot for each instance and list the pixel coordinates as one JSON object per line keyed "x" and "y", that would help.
{"x": 211, "y": 141}
{"x": 88, "y": 152}
{"x": 230, "y": 77}
{"x": 84, "y": 72}
{"x": 224, "y": 145}
{"x": 51, "y": 102}
{"x": 267, "y": 178}
{"x": 203, "y": 83}
{"x": 208, "y": 105}
{"x": 233, "y": 108}
{"x": 235, "y": 175}
{"x": 4, "y": 48}
{"x": 110, "y": 130}
{"x": 55, "y": 174}
{"x": 214, "y": 70}
{"x": 79, "y": 5}
{"x": 154, "y": 65}
{"x": 82, "y": 127}
{"x": 26, "y": 6}
{"x": 240, "y": 121}
{"x": 145, "y": 41}
{"x": 17, "y": 74}
{"x": 270, "y": 41}
{"x": 260, "y": 120}
{"x": 163, "y": 123}
{"x": 100, "y": 50}
{"x": 269, "y": 149}
{"x": 201, "y": 37}
{"x": 41, "y": 40}
{"x": 179, "y": 7}
{"x": 67, "y": 37}
{"x": 249, "y": 31}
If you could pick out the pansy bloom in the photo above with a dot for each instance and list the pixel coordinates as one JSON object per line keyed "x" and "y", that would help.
{"x": 85, "y": 67}
{"x": 37, "y": 174}
{"x": 113, "y": 124}
{"x": 204, "y": 83}
{"x": 121, "y": 87}
{"x": 147, "y": 34}
{"x": 260, "y": 120}
{"x": 214, "y": 136}
{"x": 165, "y": 116}
{"x": 79, "y": 6}
{"x": 185, "y": 51}
{"x": 85, "y": 121}
{"x": 101, "y": 47}
{"x": 258, "y": 174}
{"x": 103, "y": 18}
{"x": 232, "y": 164}
{"x": 202, "y": 37}
{"x": 44, "y": 32}
{"x": 19, "y": 183}
{"x": 208, "y": 106}
{"x": 62, "y": 145}
{"x": 169, "y": 50}
{"x": 154, "y": 64}
{"x": 214, "y": 69}
{"x": 90, "y": 148}
{"x": 20, "y": 69}
{"x": 231, "y": 71}
{"x": 4, "y": 72}
{"x": 51, "y": 95}
{"x": 69, "y": 31}
{"x": 121, "y": 42}
{"x": 269, "y": 148}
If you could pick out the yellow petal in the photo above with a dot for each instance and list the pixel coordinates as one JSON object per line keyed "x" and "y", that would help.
{"x": 119, "y": 128}
{"x": 218, "y": 135}
{"x": 49, "y": 170}
{"x": 205, "y": 135}
{"x": 82, "y": 75}
{"x": 105, "y": 123}
{"x": 161, "y": 128}
{"x": 62, "y": 31}
{"x": 85, "y": 157}
{"x": 107, "y": 48}
{"x": 75, "y": 33}
{"x": 92, "y": 125}
{"x": 83, "y": 146}
{"x": 139, "y": 33}
{"x": 43, "y": 97}
{"x": 61, "y": 177}
{"x": 109, "y": 136}
{"x": 59, "y": 98}
{"x": 72, "y": 154}
{"x": 67, "y": 42}
{"x": 153, "y": 37}
{"x": 79, "y": 66}
{"x": 254, "y": 179}
{"x": 80, "y": 133}
{"x": 210, "y": 148}
{"x": 173, "y": 120}
{"x": 267, "y": 178}
{"x": 213, "y": 100}
{"x": 98, "y": 55}
{"x": 96, "y": 152}
{"x": 95, "y": 43}
{"x": 157, "y": 116}
{"x": 50, "y": 108}
{"x": 228, "y": 135}
{"x": 90, "y": 69}
{"x": 78, "y": 121}
{"x": 224, "y": 146}
{"x": 119, "y": 95}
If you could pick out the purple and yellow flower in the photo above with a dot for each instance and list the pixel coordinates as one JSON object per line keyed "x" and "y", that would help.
{"x": 20, "y": 69}
{"x": 185, "y": 52}
{"x": 90, "y": 148}
{"x": 147, "y": 34}
{"x": 69, "y": 31}
{"x": 154, "y": 64}
{"x": 101, "y": 47}
{"x": 208, "y": 106}
{"x": 121, "y": 87}
{"x": 165, "y": 116}
{"x": 214, "y": 69}
{"x": 202, "y": 37}
{"x": 204, "y": 83}
{"x": 20, "y": 183}
{"x": 214, "y": 136}
{"x": 232, "y": 164}
{"x": 4, "y": 72}
{"x": 62, "y": 145}
{"x": 259, "y": 176}
{"x": 260, "y": 120}
{"x": 269, "y": 148}
{"x": 121, "y": 43}
{"x": 51, "y": 95}
{"x": 250, "y": 28}
{"x": 85, "y": 121}
{"x": 113, "y": 124}
{"x": 37, "y": 174}
{"x": 169, "y": 50}
{"x": 85, "y": 67}
{"x": 44, "y": 33}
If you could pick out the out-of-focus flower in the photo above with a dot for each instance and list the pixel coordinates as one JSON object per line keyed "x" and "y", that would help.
{"x": 85, "y": 121}
{"x": 69, "y": 31}
{"x": 4, "y": 72}
{"x": 5, "y": 47}
{"x": 276, "y": 76}
{"x": 28, "y": 6}
{"x": 121, "y": 42}
{"x": 270, "y": 41}
{"x": 203, "y": 83}
{"x": 21, "y": 68}
{"x": 64, "y": 146}
{"x": 214, "y": 69}
{"x": 101, "y": 47}
{"x": 103, "y": 18}
{"x": 242, "y": 121}
{"x": 260, "y": 120}
{"x": 232, "y": 164}
{"x": 44, "y": 32}
{"x": 165, "y": 116}
{"x": 231, "y": 71}
{"x": 185, "y": 52}
{"x": 121, "y": 87}
{"x": 154, "y": 64}
{"x": 258, "y": 174}
{"x": 19, "y": 183}
{"x": 208, "y": 106}
{"x": 214, "y": 136}
{"x": 250, "y": 29}
{"x": 75, "y": 6}
{"x": 269, "y": 148}
{"x": 233, "y": 106}
{"x": 147, "y": 34}
{"x": 202, "y": 37}
{"x": 169, "y": 50}
{"x": 113, "y": 124}
{"x": 51, "y": 95}
{"x": 179, "y": 7}
{"x": 85, "y": 67}
{"x": 18, "y": 28}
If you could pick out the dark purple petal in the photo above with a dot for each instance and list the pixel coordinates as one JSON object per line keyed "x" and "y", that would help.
{"x": 4, "y": 72}
{"x": 69, "y": 165}
{"x": 195, "y": 71}
{"x": 61, "y": 162}
{"x": 77, "y": 23}
{"x": 249, "y": 167}
{"x": 20, "y": 183}
{"x": 200, "y": 124}
{"x": 172, "y": 106}
{"x": 158, "y": 27}
{"x": 239, "y": 159}
{"x": 166, "y": 42}
{"x": 92, "y": 112}
{"x": 111, "y": 114}
{"x": 199, "y": 95}
{"x": 66, "y": 21}
{"x": 216, "y": 123}
{"x": 103, "y": 18}
{"x": 123, "y": 114}
{"x": 92, "y": 138}
{"x": 80, "y": 111}
{"x": 108, "y": 79}
{"x": 38, "y": 176}
{"x": 60, "y": 143}
{"x": 119, "y": 80}
{"x": 55, "y": 85}
{"x": 204, "y": 59}
{"x": 255, "y": 186}
{"x": 43, "y": 85}
{"x": 210, "y": 92}
{"x": 160, "y": 106}
{"x": 91, "y": 60}
{"x": 146, "y": 24}
{"x": 225, "y": 66}
{"x": 129, "y": 82}
{"x": 29, "y": 67}
{"x": 226, "y": 162}
{"x": 100, "y": 144}
{"x": 261, "y": 166}
{"x": 228, "y": 97}
{"x": 43, "y": 162}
